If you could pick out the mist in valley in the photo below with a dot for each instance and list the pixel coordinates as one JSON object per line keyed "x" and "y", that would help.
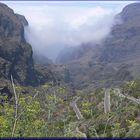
{"x": 82, "y": 79}
{"x": 56, "y": 26}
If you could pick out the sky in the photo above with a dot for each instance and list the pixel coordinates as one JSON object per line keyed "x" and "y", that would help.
{"x": 57, "y": 25}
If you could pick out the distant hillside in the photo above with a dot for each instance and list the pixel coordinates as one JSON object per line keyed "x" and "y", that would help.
{"x": 113, "y": 62}
{"x": 123, "y": 43}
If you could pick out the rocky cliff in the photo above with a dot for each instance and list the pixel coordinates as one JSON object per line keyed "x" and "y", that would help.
{"x": 15, "y": 52}
{"x": 16, "y": 55}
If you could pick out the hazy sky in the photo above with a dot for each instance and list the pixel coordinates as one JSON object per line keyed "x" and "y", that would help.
{"x": 55, "y": 25}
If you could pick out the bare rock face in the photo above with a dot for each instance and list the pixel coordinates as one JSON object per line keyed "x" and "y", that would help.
{"x": 22, "y": 19}
{"x": 15, "y": 52}
{"x": 16, "y": 55}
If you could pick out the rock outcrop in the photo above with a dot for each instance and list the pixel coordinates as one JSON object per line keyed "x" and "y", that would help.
{"x": 15, "y": 52}
{"x": 16, "y": 55}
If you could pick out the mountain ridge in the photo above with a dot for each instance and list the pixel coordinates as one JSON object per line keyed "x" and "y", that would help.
{"x": 118, "y": 56}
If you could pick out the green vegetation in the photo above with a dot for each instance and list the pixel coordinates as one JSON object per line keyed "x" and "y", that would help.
{"x": 46, "y": 112}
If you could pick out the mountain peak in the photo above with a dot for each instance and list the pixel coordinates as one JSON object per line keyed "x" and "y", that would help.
{"x": 130, "y": 11}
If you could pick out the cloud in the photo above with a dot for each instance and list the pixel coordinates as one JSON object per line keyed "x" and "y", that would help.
{"x": 53, "y": 26}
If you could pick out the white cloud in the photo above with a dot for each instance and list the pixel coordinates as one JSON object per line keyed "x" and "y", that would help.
{"x": 53, "y": 26}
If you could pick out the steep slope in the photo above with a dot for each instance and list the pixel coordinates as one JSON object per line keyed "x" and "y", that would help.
{"x": 15, "y": 52}
{"x": 115, "y": 60}
{"x": 123, "y": 43}
{"x": 16, "y": 55}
